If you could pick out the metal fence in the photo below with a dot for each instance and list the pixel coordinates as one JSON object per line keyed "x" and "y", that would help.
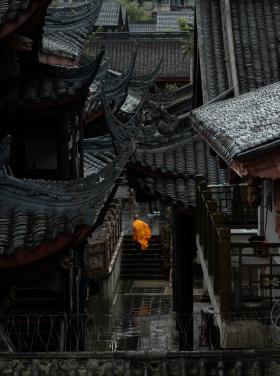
{"x": 106, "y": 333}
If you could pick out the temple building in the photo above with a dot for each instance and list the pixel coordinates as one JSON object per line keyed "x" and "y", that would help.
{"x": 52, "y": 196}
{"x": 208, "y": 149}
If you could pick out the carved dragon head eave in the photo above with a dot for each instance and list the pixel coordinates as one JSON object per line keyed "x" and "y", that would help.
{"x": 116, "y": 89}
{"x": 123, "y": 134}
{"x": 146, "y": 80}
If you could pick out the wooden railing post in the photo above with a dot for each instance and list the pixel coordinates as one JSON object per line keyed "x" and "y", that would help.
{"x": 105, "y": 247}
{"x": 225, "y": 270}
{"x": 217, "y": 221}
{"x": 211, "y": 207}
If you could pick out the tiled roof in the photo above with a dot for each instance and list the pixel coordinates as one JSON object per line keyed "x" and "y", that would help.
{"x": 240, "y": 124}
{"x": 24, "y": 229}
{"x": 148, "y": 56}
{"x": 183, "y": 160}
{"x": 142, "y": 28}
{"x": 186, "y": 157}
{"x": 211, "y": 49}
{"x": 9, "y": 9}
{"x": 33, "y": 212}
{"x": 47, "y": 85}
{"x": 180, "y": 107}
{"x": 254, "y": 31}
{"x": 124, "y": 15}
{"x": 98, "y": 153}
{"x": 66, "y": 31}
{"x": 109, "y": 15}
{"x": 15, "y": 14}
{"x": 168, "y": 20}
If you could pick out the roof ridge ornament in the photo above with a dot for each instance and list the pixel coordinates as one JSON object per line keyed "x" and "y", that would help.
{"x": 5, "y": 153}
{"x": 124, "y": 134}
{"x": 116, "y": 88}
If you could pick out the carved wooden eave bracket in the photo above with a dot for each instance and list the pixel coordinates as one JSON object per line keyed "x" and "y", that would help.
{"x": 66, "y": 31}
{"x": 262, "y": 163}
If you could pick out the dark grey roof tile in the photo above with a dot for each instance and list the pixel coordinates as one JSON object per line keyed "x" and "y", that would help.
{"x": 10, "y": 8}
{"x": 142, "y": 28}
{"x": 149, "y": 55}
{"x": 109, "y": 15}
{"x": 168, "y": 20}
{"x": 66, "y": 30}
{"x": 234, "y": 125}
{"x": 212, "y": 50}
{"x": 42, "y": 83}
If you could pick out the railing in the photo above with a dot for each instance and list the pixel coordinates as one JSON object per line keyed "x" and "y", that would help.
{"x": 244, "y": 275}
{"x": 100, "y": 253}
{"x": 134, "y": 333}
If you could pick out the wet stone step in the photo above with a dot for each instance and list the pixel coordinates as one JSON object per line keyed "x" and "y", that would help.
{"x": 129, "y": 252}
{"x": 146, "y": 266}
{"x": 145, "y": 277}
{"x": 128, "y": 268}
{"x": 144, "y": 260}
{"x": 143, "y": 271}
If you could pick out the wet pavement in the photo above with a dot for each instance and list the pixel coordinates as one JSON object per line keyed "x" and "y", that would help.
{"x": 142, "y": 317}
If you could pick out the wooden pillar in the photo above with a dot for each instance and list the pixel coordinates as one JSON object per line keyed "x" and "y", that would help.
{"x": 73, "y": 151}
{"x": 80, "y": 142}
{"x": 225, "y": 270}
{"x": 183, "y": 235}
{"x": 200, "y": 209}
{"x": 198, "y": 182}
{"x": 217, "y": 221}
{"x": 63, "y": 151}
{"x": 206, "y": 196}
{"x": 211, "y": 208}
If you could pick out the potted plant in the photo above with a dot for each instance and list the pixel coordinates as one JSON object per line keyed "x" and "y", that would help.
{"x": 205, "y": 296}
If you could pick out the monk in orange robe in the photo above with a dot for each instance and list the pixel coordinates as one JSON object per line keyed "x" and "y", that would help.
{"x": 141, "y": 234}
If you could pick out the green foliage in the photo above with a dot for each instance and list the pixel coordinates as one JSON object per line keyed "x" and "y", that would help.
{"x": 54, "y": 4}
{"x": 205, "y": 293}
{"x": 166, "y": 239}
{"x": 188, "y": 45}
{"x": 93, "y": 36}
{"x": 134, "y": 11}
{"x": 171, "y": 86}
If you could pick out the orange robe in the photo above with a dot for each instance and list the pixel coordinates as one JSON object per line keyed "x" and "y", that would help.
{"x": 141, "y": 233}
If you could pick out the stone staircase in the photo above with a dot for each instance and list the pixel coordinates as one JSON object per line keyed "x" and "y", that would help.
{"x": 147, "y": 266}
